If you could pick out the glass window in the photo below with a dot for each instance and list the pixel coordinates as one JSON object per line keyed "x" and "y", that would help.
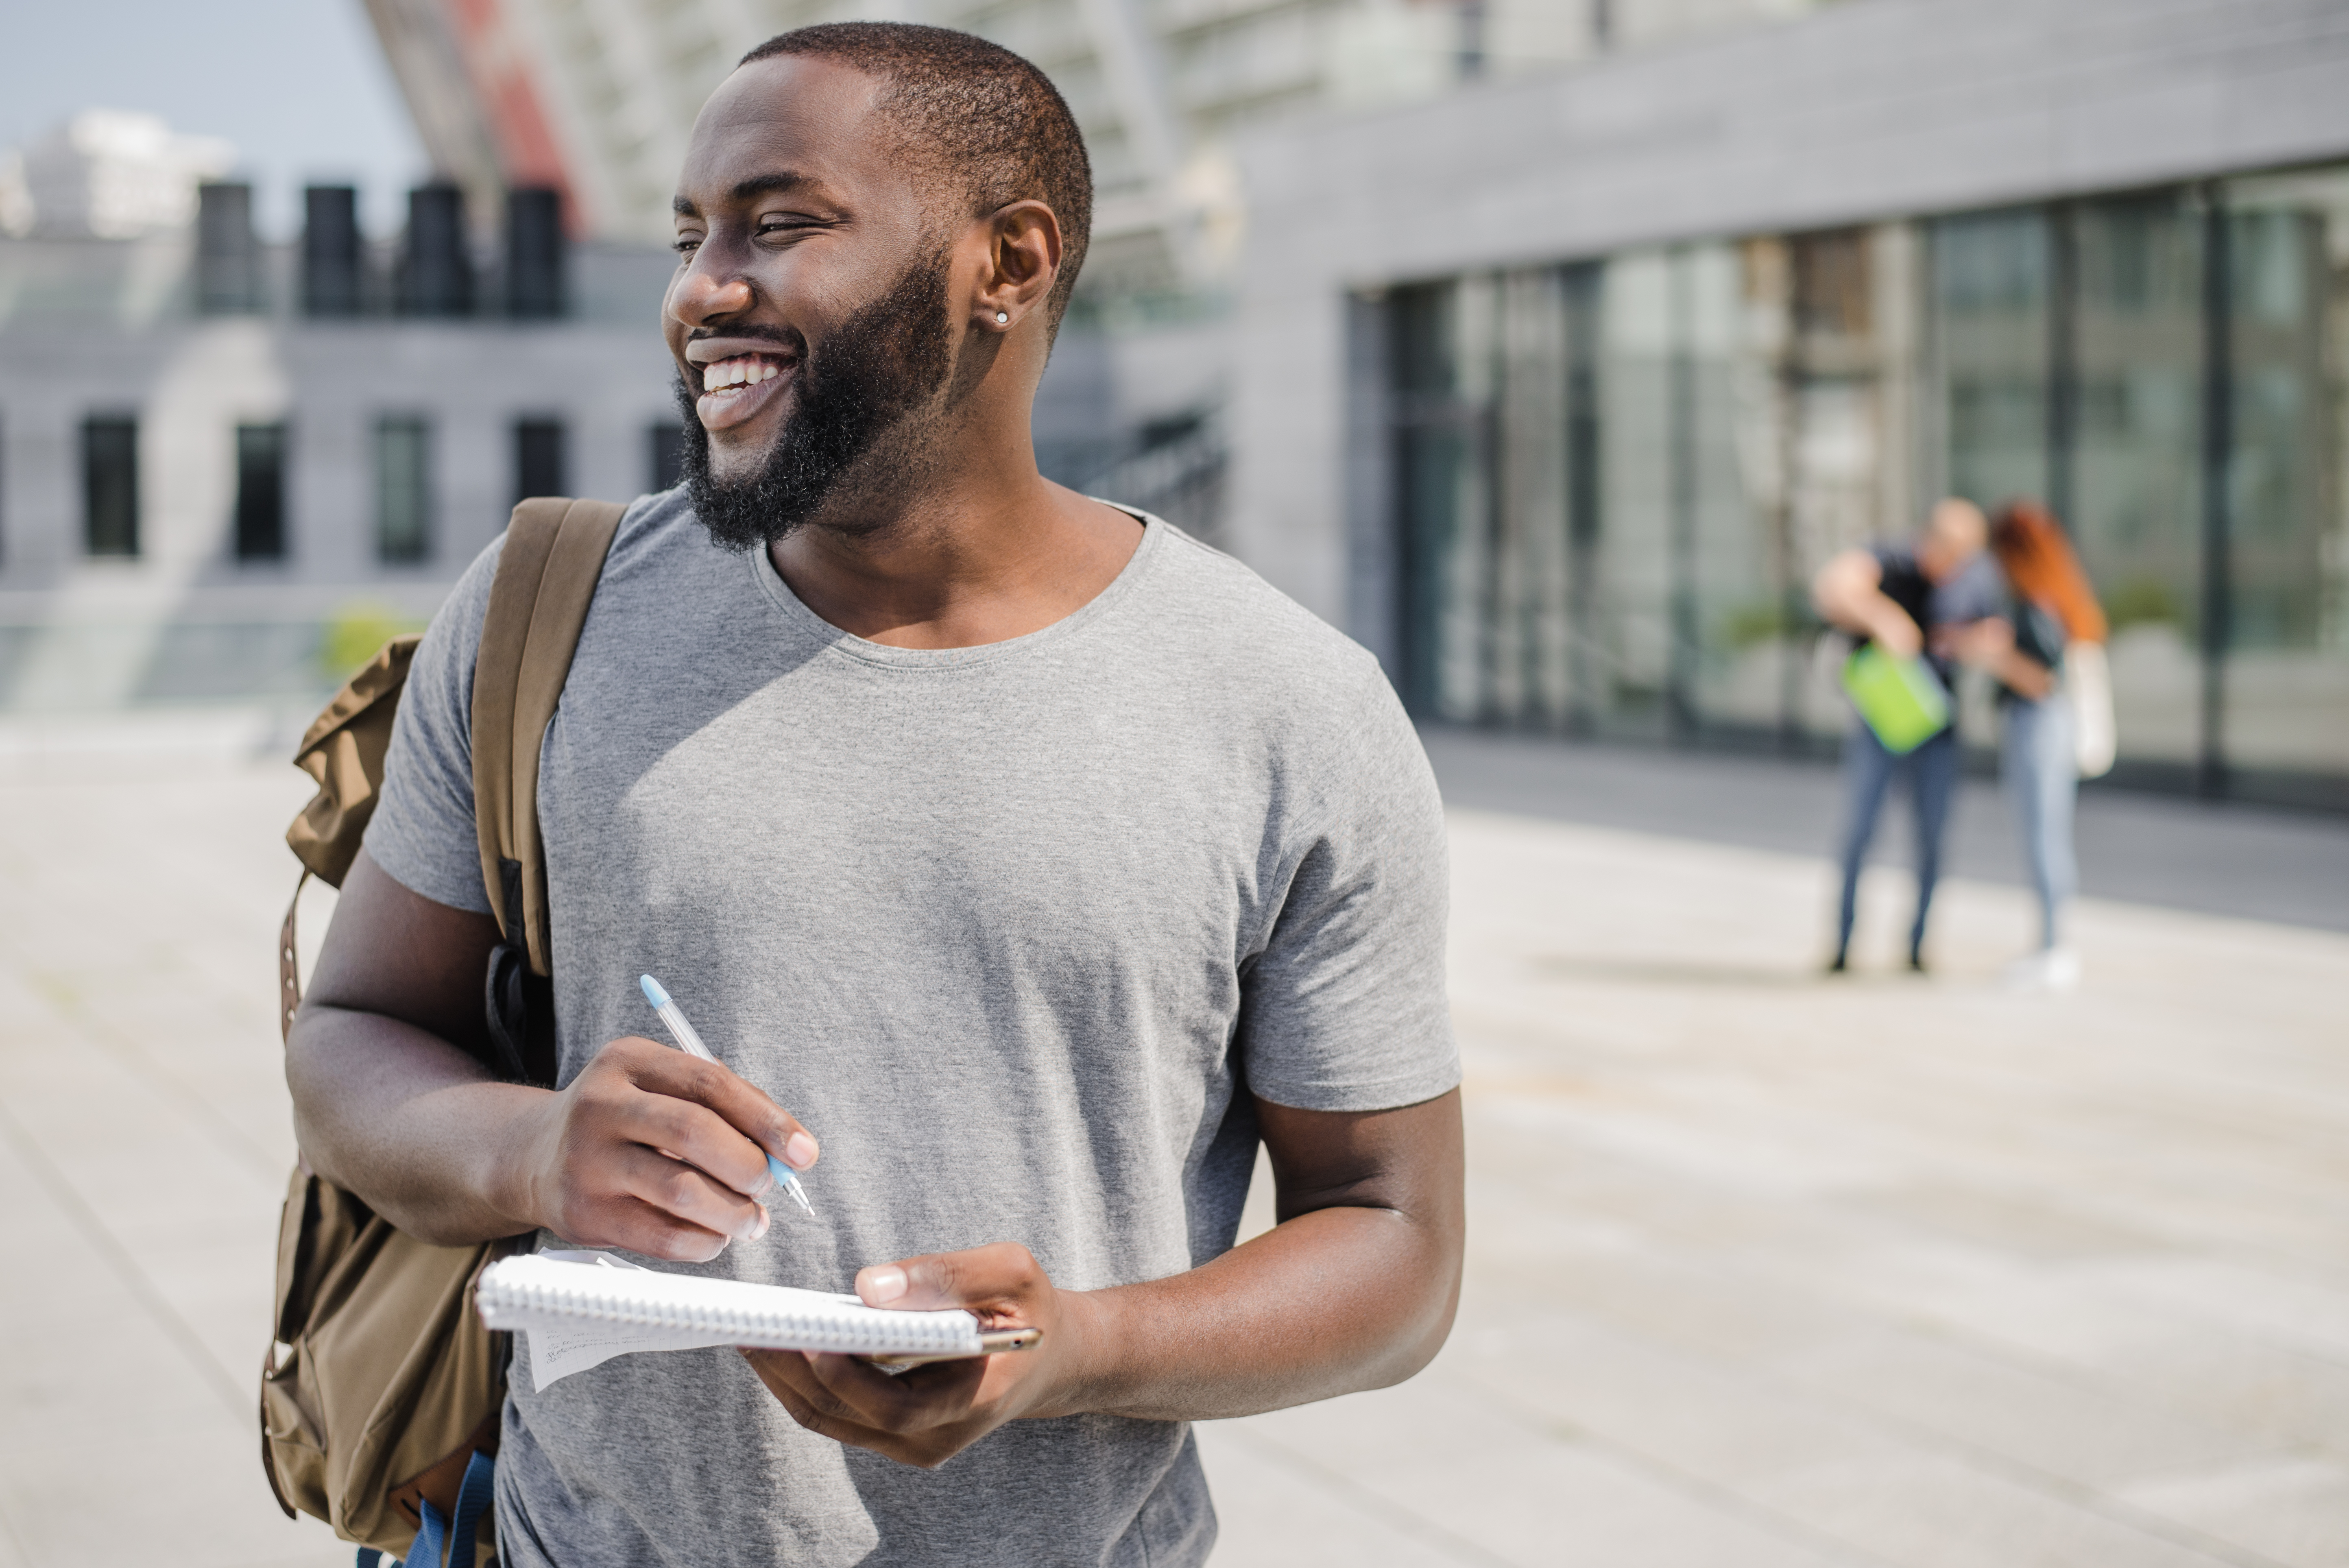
{"x": 666, "y": 438}
{"x": 109, "y": 485}
{"x": 538, "y": 459}
{"x": 1742, "y": 636}
{"x": 1621, "y": 564}
{"x": 261, "y": 492}
{"x": 2130, "y": 491}
{"x": 1614, "y": 479}
{"x": 2286, "y": 588}
{"x": 403, "y": 489}
{"x": 1442, "y": 343}
{"x": 1990, "y": 333}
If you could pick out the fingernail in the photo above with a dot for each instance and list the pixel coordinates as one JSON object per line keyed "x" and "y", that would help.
{"x": 799, "y": 1151}
{"x": 885, "y": 1284}
{"x": 761, "y": 1228}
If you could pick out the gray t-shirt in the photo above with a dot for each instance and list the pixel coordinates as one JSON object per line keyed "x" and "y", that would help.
{"x": 1015, "y": 930}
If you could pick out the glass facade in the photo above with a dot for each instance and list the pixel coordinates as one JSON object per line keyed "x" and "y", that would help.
{"x": 403, "y": 491}
{"x": 109, "y": 485}
{"x": 1610, "y": 480}
{"x": 261, "y": 492}
{"x": 538, "y": 446}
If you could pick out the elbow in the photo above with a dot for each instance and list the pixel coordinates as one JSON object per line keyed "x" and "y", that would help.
{"x": 1419, "y": 1335}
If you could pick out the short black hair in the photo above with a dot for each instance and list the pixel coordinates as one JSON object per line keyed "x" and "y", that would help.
{"x": 981, "y": 115}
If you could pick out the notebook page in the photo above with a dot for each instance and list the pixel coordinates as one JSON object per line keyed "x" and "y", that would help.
{"x": 579, "y": 1309}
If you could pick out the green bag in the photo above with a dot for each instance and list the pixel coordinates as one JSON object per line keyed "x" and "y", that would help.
{"x": 1901, "y": 699}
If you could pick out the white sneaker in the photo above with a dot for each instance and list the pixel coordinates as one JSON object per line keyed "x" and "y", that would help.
{"x": 2054, "y": 969}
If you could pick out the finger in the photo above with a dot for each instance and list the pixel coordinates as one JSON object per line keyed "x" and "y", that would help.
{"x": 919, "y": 1401}
{"x": 994, "y": 1279}
{"x": 685, "y": 1193}
{"x": 776, "y": 1369}
{"x": 630, "y": 1223}
{"x": 742, "y": 1106}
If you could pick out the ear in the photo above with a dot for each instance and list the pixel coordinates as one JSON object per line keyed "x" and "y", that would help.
{"x": 1023, "y": 258}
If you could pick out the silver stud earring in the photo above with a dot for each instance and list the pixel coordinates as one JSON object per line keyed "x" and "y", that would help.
{"x": 1001, "y": 316}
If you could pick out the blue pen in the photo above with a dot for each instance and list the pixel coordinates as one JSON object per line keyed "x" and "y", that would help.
{"x": 687, "y": 1038}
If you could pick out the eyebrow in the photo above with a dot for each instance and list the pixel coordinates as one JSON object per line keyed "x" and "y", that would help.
{"x": 749, "y": 190}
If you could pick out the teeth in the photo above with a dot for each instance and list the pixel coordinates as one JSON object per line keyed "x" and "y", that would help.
{"x": 742, "y": 370}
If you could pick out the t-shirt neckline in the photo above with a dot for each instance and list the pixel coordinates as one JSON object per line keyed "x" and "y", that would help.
{"x": 808, "y": 624}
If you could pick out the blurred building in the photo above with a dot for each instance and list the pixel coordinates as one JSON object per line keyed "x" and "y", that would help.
{"x": 110, "y": 175}
{"x": 598, "y": 100}
{"x": 213, "y": 452}
{"x": 1556, "y": 392}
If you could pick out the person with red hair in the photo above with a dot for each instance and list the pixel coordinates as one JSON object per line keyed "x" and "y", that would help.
{"x": 2047, "y": 655}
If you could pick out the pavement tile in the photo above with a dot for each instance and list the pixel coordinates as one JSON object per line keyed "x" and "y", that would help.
{"x": 1933, "y": 1513}
{"x": 1762, "y": 1269}
{"x": 1445, "y": 1452}
{"x": 2292, "y": 1509}
{"x": 1273, "y": 1512}
{"x": 194, "y": 1499}
{"x": 2066, "y": 1429}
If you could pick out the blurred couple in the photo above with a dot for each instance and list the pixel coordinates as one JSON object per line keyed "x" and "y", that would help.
{"x": 2009, "y": 598}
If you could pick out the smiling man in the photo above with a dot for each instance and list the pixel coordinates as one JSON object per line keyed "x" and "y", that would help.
{"x": 1037, "y": 860}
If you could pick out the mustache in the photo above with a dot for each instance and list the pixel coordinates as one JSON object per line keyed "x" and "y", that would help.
{"x": 788, "y": 338}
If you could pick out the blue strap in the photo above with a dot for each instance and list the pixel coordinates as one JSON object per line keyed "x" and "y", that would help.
{"x": 472, "y": 1497}
{"x": 438, "y": 1541}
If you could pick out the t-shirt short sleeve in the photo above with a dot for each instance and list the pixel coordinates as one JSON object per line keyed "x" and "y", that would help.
{"x": 1344, "y": 1008}
{"x": 423, "y": 832}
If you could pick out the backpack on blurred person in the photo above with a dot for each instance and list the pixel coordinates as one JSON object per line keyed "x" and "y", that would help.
{"x": 381, "y": 1397}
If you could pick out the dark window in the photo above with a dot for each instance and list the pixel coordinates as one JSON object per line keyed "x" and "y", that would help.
{"x": 403, "y": 489}
{"x": 538, "y": 459}
{"x": 110, "y": 486}
{"x": 667, "y": 453}
{"x": 261, "y": 492}
{"x": 332, "y": 253}
{"x": 535, "y": 254}
{"x": 436, "y": 271}
{"x": 228, "y": 259}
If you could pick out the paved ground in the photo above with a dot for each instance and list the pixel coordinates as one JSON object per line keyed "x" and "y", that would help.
{"x": 2256, "y": 861}
{"x": 1765, "y": 1270}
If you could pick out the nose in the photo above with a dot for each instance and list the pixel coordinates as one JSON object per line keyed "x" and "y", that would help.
{"x": 703, "y": 293}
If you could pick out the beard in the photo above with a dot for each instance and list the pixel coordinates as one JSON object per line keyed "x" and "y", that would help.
{"x": 881, "y": 365}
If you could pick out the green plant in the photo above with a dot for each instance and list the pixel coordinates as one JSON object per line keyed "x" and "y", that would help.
{"x": 2141, "y": 601}
{"x": 356, "y": 634}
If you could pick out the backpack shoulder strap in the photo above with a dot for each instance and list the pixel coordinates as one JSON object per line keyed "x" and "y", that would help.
{"x": 546, "y": 576}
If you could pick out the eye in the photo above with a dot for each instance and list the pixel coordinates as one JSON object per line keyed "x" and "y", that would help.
{"x": 686, "y": 245}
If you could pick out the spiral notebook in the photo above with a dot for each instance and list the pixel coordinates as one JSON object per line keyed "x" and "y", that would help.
{"x": 579, "y": 1309}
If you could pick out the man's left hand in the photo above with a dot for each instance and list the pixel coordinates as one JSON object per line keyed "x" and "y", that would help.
{"x": 928, "y": 1415}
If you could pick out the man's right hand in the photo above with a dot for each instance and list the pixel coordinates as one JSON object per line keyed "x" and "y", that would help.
{"x": 648, "y": 1149}
{"x": 655, "y": 1151}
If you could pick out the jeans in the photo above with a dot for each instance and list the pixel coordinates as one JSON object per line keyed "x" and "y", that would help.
{"x": 1867, "y": 769}
{"x": 2042, "y": 779}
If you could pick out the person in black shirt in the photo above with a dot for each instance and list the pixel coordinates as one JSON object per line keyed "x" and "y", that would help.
{"x": 1909, "y": 600}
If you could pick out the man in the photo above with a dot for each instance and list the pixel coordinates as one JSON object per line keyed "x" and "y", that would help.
{"x": 1910, "y": 600}
{"x": 1038, "y": 859}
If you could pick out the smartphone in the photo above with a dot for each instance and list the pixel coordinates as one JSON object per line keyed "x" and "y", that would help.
{"x": 991, "y": 1342}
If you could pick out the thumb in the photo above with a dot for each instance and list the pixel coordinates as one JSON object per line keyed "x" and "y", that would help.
{"x": 979, "y": 1277}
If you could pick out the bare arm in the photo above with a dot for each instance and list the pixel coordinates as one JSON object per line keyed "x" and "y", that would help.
{"x": 648, "y": 1149}
{"x": 1354, "y": 1289}
{"x": 1849, "y": 592}
{"x": 1989, "y": 645}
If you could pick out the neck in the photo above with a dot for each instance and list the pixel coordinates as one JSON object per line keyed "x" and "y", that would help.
{"x": 972, "y": 547}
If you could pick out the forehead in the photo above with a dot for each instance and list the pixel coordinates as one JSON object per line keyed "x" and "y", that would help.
{"x": 789, "y": 114}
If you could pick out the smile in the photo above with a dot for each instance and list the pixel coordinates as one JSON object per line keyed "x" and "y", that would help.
{"x": 735, "y": 389}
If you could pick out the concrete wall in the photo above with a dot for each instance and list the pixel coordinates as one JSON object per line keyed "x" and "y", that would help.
{"x": 1875, "y": 108}
{"x": 78, "y": 634}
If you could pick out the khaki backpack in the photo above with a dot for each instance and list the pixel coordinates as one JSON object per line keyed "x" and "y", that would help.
{"x": 381, "y": 1399}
